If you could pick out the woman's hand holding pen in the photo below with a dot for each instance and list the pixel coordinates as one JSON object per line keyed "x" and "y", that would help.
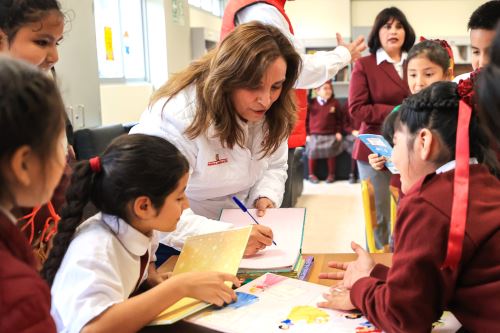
{"x": 262, "y": 204}
{"x": 208, "y": 286}
{"x": 260, "y": 237}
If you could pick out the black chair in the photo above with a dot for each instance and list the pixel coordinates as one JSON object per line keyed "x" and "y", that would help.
{"x": 89, "y": 142}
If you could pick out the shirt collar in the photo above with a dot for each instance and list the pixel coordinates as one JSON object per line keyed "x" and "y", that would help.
{"x": 451, "y": 165}
{"x": 382, "y": 56}
{"x": 133, "y": 240}
{"x": 321, "y": 100}
{"x": 8, "y": 214}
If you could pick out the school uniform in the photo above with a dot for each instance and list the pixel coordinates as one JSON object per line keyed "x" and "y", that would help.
{"x": 324, "y": 120}
{"x": 216, "y": 172}
{"x": 104, "y": 264}
{"x": 411, "y": 295}
{"x": 24, "y": 296}
{"x": 377, "y": 85}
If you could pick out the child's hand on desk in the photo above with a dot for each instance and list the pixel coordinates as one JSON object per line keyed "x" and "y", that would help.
{"x": 337, "y": 299}
{"x": 262, "y": 204}
{"x": 376, "y": 162}
{"x": 351, "y": 271}
{"x": 260, "y": 237}
{"x": 208, "y": 286}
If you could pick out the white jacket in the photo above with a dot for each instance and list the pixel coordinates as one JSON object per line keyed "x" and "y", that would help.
{"x": 216, "y": 173}
{"x": 317, "y": 68}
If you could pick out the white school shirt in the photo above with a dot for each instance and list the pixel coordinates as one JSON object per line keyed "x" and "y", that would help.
{"x": 216, "y": 172}
{"x": 381, "y": 56}
{"x": 460, "y": 77}
{"x": 317, "y": 68}
{"x": 101, "y": 268}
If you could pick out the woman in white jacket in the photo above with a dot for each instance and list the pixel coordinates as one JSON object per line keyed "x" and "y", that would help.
{"x": 230, "y": 114}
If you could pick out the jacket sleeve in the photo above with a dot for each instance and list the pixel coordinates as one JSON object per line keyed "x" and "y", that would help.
{"x": 316, "y": 68}
{"x": 412, "y": 296}
{"x": 361, "y": 105}
{"x": 166, "y": 121}
{"x": 191, "y": 224}
{"x": 24, "y": 301}
{"x": 272, "y": 183}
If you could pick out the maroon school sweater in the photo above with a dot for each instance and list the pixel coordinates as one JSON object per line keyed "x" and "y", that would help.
{"x": 324, "y": 119}
{"x": 24, "y": 296}
{"x": 411, "y": 295}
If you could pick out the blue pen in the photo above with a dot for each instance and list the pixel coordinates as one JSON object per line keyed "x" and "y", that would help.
{"x": 244, "y": 208}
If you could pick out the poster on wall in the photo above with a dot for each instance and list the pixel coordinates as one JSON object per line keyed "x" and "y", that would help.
{"x": 178, "y": 11}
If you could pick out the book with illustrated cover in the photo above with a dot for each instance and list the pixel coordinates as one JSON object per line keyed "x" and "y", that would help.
{"x": 378, "y": 145}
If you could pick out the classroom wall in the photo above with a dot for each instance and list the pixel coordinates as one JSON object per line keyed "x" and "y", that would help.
{"x": 429, "y": 18}
{"x": 123, "y": 103}
{"x": 320, "y": 19}
{"x": 77, "y": 72}
{"x": 201, "y": 19}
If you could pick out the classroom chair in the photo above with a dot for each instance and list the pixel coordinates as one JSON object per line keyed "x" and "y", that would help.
{"x": 394, "y": 205}
{"x": 370, "y": 213}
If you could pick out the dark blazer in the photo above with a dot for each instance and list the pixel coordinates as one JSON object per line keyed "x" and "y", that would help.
{"x": 412, "y": 294}
{"x": 24, "y": 296}
{"x": 374, "y": 91}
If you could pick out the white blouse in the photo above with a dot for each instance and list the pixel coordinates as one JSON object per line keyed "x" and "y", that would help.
{"x": 100, "y": 268}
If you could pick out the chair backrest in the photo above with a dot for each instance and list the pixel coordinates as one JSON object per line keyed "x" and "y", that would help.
{"x": 89, "y": 142}
{"x": 370, "y": 213}
{"x": 394, "y": 205}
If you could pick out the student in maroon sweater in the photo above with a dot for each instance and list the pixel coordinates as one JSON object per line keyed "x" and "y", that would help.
{"x": 32, "y": 159}
{"x": 324, "y": 127}
{"x": 434, "y": 269}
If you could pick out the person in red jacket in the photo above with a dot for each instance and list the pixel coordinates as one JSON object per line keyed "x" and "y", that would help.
{"x": 32, "y": 159}
{"x": 30, "y": 30}
{"x": 447, "y": 234}
{"x": 378, "y": 84}
{"x": 316, "y": 68}
{"x": 324, "y": 127}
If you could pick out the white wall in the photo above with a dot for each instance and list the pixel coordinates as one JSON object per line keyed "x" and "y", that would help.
{"x": 429, "y": 18}
{"x": 124, "y": 103}
{"x": 77, "y": 68}
{"x": 202, "y": 19}
{"x": 320, "y": 19}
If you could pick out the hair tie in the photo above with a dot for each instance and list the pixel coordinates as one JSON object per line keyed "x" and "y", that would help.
{"x": 95, "y": 164}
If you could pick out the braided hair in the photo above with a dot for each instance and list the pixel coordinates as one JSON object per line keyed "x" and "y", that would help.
{"x": 14, "y": 14}
{"x": 132, "y": 166}
{"x": 436, "y": 108}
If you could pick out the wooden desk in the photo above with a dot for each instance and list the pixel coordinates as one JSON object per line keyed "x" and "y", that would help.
{"x": 320, "y": 265}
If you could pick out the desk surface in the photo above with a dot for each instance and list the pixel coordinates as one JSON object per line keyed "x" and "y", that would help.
{"x": 320, "y": 265}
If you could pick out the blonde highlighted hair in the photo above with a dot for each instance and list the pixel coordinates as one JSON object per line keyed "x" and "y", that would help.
{"x": 239, "y": 61}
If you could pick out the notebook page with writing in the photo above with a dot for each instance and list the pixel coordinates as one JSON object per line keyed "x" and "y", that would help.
{"x": 287, "y": 225}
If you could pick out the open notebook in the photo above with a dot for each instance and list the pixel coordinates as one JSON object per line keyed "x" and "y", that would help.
{"x": 218, "y": 251}
{"x": 273, "y": 303}
{"x": 288, "y": 229}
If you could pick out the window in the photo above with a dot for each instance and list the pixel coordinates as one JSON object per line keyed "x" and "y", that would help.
{"x": 120, "y": 39}
{"x": 216, "y": 7}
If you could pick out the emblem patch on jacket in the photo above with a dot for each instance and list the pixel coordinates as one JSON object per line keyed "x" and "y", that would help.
{"x": 217, "y": 161}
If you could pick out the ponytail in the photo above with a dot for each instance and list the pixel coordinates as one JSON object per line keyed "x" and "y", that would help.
{"x": 77, "y": 197}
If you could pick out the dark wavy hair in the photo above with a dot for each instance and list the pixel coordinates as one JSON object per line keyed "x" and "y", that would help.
{"x": 16, "y": 13}
{"x": 31, "y": 112}
{"x": 387, "y": 15}
{"x": 239, "y": 61}
{"x": 433, "y": 51}
{"x": 485, "y": 16}
{"x": 436, "y": 108}
{"x": 488, "y": 90}
{"x": 132, "y": 166}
